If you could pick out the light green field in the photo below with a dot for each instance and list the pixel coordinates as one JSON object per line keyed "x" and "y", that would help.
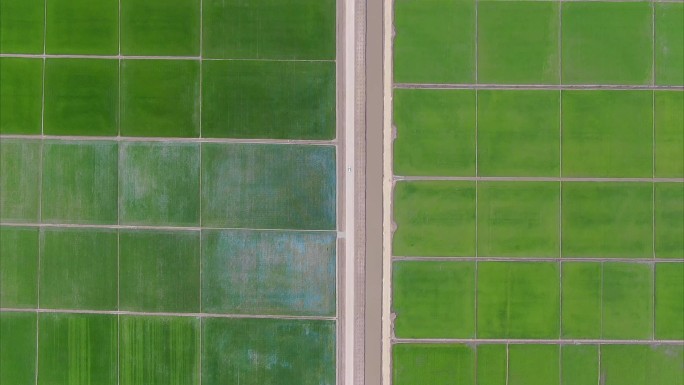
{"x": 433, "y": 299}
{"x": 582, "y": 299}
{"x": 533, "y": 365}
{"x": 607, "y": 43}
{"x": 518, "y": 300}
{"x": 536, "y": 364}
{"x": 627, "y": 301}
{"x": 434, "y": 219}
{"x": 669, "y": 135}
{"x": 579, "y": 364}
{"x": 669, "y": 226}
{"x": 518, "y": 42}
{"x": 435, "y": 132}
{"x": 434, "y": 41}
{"x": 518, "y": 133}
{"x": 518, "y": 219}
{"x": 669, "y": 301}
{"x": 607, "y": 220}
{"x": 669, "y": 44}
{"x": 607, "y": 134}
{"x": 433, "y": 364}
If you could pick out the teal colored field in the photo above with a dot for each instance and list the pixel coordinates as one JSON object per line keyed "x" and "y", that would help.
{"x": 268, "y": 272}
{"x": 159, "y": 184}
{"x": 268, "y": 186}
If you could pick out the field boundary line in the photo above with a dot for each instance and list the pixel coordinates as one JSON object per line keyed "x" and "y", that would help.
{"x": 143, "y": 227}
{"x": 648, "y": 260}
{"x": 536, "y": 179}
{"x": 147, "y": 57}
{"x": 139, "y": 139}
{"x": 167, "y": 314}
{"x": 475, "y": 341}
{"x": 551, "y": 87}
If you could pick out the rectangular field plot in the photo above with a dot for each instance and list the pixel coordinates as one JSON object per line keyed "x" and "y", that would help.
{"x": 434, "y": 218}
{"x": 159, "y": 350}
{"x": 434, "y": 299}
{"x": 527, "y": 364}
{"x": 537, "y": 161}
{"x": 268, "y": 186}
{"x": 268, "y": 272}
{"x": 169, "y": 192}
{"x": 268, "y": 99}
{"x": 18, "y": 348}
{"x": 435, "y": 132}
{"x": 267, "y": 351}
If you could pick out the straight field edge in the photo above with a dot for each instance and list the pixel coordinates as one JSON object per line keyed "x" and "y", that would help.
{"x": 387, "y": 178}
